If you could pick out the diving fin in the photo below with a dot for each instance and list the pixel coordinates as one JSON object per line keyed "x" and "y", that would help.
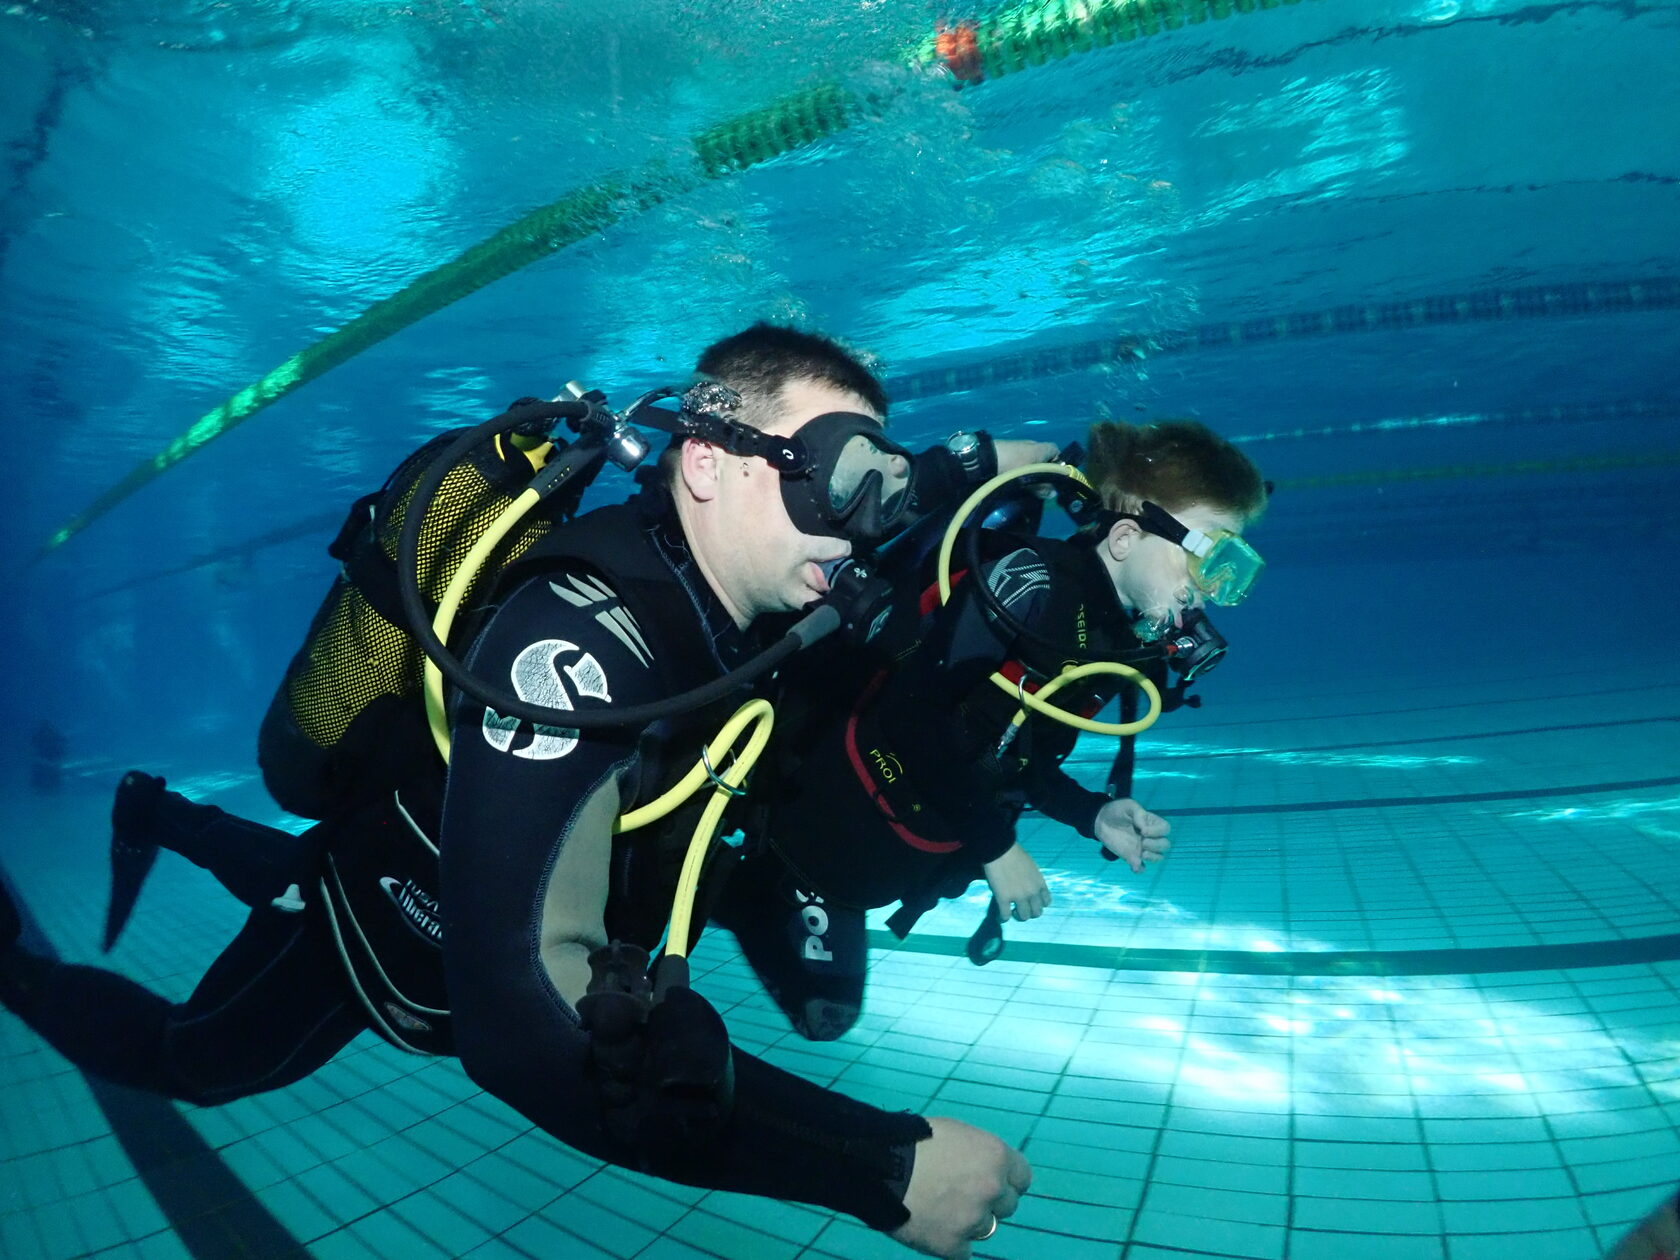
{"x": 987, "y": 941}
{"x": 11, "y": 922}
{"x": 132, "y": 849}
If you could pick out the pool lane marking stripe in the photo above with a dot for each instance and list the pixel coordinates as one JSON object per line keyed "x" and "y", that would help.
{"x": 1643, "y": 688}
{"x": 1492, "y": 960}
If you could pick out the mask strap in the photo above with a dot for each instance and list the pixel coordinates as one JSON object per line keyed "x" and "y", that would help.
{"x": 1157, "y": 520}
{"x": 702, "y": 415}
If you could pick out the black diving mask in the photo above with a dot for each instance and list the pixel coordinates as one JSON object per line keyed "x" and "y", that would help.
{"x": 854, "y": 482}
{"x": 842, "y": 477}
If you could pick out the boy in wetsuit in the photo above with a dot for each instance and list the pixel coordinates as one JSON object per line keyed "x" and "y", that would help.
{"x": 915, "y": 790}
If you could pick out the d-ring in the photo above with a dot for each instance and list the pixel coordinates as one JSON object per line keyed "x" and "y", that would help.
{"x": 717, "y": 779}
{"x": 990, "y": 1231}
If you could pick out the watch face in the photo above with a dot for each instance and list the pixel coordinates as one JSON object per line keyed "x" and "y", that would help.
{"x": 962, "y": 444}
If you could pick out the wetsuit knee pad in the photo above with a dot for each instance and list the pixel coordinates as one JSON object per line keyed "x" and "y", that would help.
{"x": 833, "y": 951}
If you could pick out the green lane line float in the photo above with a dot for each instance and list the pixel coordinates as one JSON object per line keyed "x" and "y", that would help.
{"x": 1023, "y": 35}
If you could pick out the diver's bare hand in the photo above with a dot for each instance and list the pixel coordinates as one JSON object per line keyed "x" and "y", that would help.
{"x": 964, "y": 1182}
{"x": 1134, "y": 835}
{"x": 1015, "y": 880}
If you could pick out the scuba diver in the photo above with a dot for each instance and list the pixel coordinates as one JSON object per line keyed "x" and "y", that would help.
{"x": 914, "y": 791}
{"x": 491, "y": 911}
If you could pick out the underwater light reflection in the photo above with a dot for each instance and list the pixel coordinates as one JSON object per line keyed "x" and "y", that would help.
{"x": 1447, "y": 1037}
{"x": 1336, "y": 1051}
{"x": 1608, "y": 811}
{"x": 1321, "y": 760}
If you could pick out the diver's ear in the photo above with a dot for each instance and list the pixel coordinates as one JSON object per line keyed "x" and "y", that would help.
{"x": 1123, "y": 535}
{"x": 702, "y": 467}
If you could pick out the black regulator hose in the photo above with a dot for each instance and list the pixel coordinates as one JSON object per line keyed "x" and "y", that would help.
{"x": 972, "y": 529}
{"x": 583, "y": 455}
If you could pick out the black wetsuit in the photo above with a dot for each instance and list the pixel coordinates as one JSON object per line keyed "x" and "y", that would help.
{"x": 272, "y": 1008}
{"x": 526, "y": 845}
{"x": 907, "y": 796}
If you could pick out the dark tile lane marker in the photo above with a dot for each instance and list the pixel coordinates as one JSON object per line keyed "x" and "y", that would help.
{"x": 1233, "y": 962}
{"x": 1551, "y": 698}
{"x": 1411, "y": 962}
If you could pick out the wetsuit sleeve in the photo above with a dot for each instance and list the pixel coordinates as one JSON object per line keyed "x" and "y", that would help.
{"x": 1055, "y": 793}
{"x": 939, "y": 481}
{"x": 526, "y": 856}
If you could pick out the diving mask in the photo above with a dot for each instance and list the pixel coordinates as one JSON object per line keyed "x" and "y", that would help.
{"x": 855, "y": 483}
{"x": 1223, "y": 567}
{"x": 841, "y": 477}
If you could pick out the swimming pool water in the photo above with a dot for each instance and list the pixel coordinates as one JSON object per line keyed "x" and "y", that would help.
{"x": 1406, "y": 986}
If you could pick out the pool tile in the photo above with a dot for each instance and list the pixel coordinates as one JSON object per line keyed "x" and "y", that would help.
{"x": 1259, "y": 1242}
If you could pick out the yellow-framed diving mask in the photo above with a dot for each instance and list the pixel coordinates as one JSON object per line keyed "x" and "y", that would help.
{"x": 1223, "y": 566}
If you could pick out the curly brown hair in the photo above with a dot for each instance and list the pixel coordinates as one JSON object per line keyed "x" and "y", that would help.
{"x": 1173, "y": 463}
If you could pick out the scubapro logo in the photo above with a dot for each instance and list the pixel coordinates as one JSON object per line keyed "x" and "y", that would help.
{"x": 536, "y": 676}
{"x": 419, "y": 908}
{"x": 815, "y": 918}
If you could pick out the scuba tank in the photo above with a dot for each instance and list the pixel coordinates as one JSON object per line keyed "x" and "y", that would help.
{"x": 345, "y": 718}
{"x": 349, "y": 737}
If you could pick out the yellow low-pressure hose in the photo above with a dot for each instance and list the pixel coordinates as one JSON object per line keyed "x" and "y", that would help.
{"x": 1073, "y": 674}
{"x": 453, "y": 594}
{"x": 726, "y": 784}
{"x": 1027, "y": 699}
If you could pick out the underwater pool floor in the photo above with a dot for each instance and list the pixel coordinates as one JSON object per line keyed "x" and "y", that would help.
{"x": 1406, "y": 988}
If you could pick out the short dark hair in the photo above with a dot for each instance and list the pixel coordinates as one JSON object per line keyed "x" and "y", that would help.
{"x": 759, "y": 361}
{"x": 1172, "y": 464}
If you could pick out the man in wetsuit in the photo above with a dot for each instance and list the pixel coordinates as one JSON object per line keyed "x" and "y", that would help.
{"x": 532, "y": 882}
{"x": 914, "y": 791}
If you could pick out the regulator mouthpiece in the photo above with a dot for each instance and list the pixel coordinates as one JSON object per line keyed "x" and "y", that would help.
{"x": 1196, "y": 647}
{"x": 860, "y": 595}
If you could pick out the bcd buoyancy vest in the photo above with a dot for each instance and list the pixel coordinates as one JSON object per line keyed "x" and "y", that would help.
{"x": 1079, "y": 620}
{"x": 939, "y": 793}
{"x": 326, "y": 740}
{"x": 381, "y": 879}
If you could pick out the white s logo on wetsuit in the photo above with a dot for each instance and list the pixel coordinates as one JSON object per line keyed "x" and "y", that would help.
{"x": 536, "y": 680}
